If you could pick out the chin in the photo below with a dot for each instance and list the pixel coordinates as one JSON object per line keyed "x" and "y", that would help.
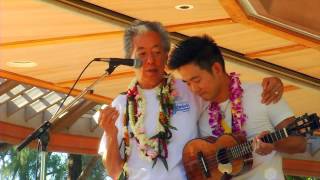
{"x": 205, "y": 98}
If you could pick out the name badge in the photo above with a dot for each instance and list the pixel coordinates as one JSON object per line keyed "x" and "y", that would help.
{"x": 182, "y": 106}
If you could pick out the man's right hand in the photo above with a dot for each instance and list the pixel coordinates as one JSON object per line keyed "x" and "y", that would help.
{"x": 107, "y": 119}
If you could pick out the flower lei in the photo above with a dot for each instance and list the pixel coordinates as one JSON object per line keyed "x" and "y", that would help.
{"x": 155, "y": 147}
{"x": 238, "y": 115}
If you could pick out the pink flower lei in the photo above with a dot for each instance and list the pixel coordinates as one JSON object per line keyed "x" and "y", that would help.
{"x": 238, "y": 115}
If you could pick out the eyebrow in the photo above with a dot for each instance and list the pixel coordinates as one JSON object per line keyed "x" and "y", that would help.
{"x": 156, "y": 46}
{"x": 140, "y": 48}
{"x": 191, "y": 79}
{"x": 143, "y": 48}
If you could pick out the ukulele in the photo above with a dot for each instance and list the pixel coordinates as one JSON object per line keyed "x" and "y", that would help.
{"x": 231, "y": 155}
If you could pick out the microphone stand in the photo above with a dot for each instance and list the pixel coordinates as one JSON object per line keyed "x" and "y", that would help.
{"x": 42, "y": 133}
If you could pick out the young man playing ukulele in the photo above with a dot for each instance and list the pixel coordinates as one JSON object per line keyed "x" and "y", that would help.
{"x": 235, "y": 108}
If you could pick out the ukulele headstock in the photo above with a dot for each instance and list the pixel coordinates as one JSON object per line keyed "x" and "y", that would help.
{"x": 304, "y": 125}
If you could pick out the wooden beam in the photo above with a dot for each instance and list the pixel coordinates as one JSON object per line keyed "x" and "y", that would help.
{"x": 7, "y": 86}
{"x": 105, "y": 35}
{"x": 237, "y": 14}
{"x": 30, "y": 101}
{"x": 59, "y": 142}
{"x": 51, "y": 86}
{"x": 91, "y": 79}
{"x": 199, "y": 24}
{"x": 72, "y": 116}
{"x": 275, "y": 51}
{"x": 13, "y": 108}
{"x": 288, "y": 88}
{"x": 297, "y": 167}
{"x": 60, "y": 40}
{"x": 31, "y": 113}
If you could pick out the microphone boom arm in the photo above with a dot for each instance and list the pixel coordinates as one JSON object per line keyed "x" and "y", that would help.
{"x": 47, "y": 124}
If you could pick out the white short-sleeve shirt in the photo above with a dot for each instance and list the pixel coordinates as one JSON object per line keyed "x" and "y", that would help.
{"x": 260, "y": 117}
{"x": 187, "y": 111}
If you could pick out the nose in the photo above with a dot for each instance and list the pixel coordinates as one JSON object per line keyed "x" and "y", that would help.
{"x": 150, "y": 59}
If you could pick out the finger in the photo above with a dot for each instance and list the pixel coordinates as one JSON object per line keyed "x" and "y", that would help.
{"x": 105, "y": 112}
{"x": 272, "y": 96}
{"x": 110, "y": 117}
{"x": 263, "y": 133}
{"x": 276, "y": 99}
{"x": 261, "y": 136}
{"x": 267, "y": 95}
{"x": 267, "y": 98}
{"x": 108, "y": 109}
{"x": 107, "y": 115}
{"x": 264, "y": 96}
{"x": 277, "y": 90}
{"x": 265, "y": 84}
{"x": 271, "y": 87}
{"x": 114, "y": 115}
{"x": 278, "y": 95}
{"x": 257, "y": 145}
{"x": 266, "y": 148}
{"x": 108, "y": 123}
{"x": 254, "y": 144}
{"x": 275, "y": 96}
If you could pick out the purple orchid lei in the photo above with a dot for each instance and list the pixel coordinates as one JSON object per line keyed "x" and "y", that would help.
{"x": 238, "y": 115}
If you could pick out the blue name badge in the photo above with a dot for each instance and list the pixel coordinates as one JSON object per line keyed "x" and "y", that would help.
{"x": 182, "y": 106}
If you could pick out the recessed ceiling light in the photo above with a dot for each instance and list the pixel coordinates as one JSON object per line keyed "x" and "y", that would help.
{"x": 184, "y": 7}
{"x": 22, "y": 64}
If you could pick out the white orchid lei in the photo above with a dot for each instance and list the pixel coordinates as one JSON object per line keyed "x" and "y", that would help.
{"x": 155, "y": 147}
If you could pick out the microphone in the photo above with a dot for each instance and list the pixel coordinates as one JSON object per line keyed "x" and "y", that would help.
{"x": 136, "y": 63}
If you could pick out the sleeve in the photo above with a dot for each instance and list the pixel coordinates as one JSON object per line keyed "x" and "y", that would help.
{"x": 279, "y": 111}
{"x": 275, "y": 112}
{"x": 120, "y": 104}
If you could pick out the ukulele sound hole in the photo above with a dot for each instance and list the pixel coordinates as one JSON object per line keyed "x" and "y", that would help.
{"x": 222, "y": 156}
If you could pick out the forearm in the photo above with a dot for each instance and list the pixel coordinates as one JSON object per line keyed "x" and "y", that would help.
{"x": 292, "y": 144}
{"x": 111, "y": 158}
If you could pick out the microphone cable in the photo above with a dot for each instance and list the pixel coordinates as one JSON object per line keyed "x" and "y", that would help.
{"x": 73, "y": 86}
{"x": 65, "y": 98}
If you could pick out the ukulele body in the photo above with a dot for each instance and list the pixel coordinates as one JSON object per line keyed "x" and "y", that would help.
{"x": 201, "y": 157}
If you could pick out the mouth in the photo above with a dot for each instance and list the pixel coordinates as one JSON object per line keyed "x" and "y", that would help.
{"x": 151, "y": 70}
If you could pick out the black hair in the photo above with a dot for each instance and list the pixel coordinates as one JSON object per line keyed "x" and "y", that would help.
{"x": 200, "y": 50}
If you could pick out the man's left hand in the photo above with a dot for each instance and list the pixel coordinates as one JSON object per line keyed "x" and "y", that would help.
{"x": 260, "y": 147}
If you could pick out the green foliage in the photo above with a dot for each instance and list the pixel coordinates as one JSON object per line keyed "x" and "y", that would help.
{"x": 301, "y": 178}
{"x": 23, "y": 165}
{"x": 98, "y": 171}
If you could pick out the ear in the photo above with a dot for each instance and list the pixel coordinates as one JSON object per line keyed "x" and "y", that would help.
{"x": 216, "y": 68}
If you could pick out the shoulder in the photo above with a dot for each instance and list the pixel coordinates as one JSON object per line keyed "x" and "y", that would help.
{"x": 184, "y": 91}
{"x": 182, "y": 87}
{"x": 119, "y": 100}
{"x": 252, "y": 88}
{"x": 180, "y": 84}
{"x": 252, "y": 91}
